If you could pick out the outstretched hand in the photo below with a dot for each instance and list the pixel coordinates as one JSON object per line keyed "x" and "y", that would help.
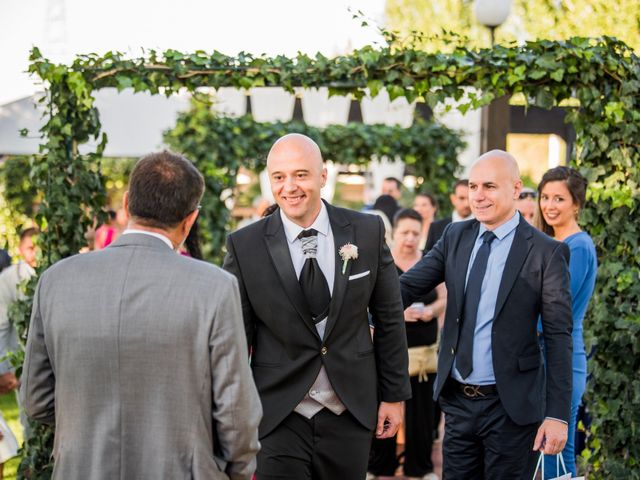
{"x": 390, "y": 417}
{"x": 551, "y": 437}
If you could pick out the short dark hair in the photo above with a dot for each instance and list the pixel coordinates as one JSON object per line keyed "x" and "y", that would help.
{"x": 28, "y": 232}
{"x": 576, "y": 184}
{"x": 164, "y": 188}
{"x": 409, "y": 213}
{"x": 395, "y": 180}
{"x": 464, "y": 182}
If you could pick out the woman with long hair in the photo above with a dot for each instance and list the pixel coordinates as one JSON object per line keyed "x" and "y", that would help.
{"x": 427, "y": 206}
{"x": 561, "y": 196}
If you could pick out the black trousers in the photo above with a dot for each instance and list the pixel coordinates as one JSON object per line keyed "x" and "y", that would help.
{"x": 419, "y": 417}
{"x": 481, "y": 441}
{"x": 325, "y": 447}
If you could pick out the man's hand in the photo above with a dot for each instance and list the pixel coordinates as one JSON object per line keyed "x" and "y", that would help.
{"x": 551, "y": 437}
{"x": 8, "y": 382}
{"x": 390, "y": 417}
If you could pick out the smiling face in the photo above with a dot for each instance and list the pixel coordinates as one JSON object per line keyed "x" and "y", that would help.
{"x": 557, "y": 205}
{"x": 494, "y": 187}
{"x": 296, "y": 174}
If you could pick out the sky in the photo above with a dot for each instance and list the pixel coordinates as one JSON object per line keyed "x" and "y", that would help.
{"x": 63, "y": 28}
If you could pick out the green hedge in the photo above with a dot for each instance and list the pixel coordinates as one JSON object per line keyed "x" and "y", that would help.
{"x": 220, "y": 145}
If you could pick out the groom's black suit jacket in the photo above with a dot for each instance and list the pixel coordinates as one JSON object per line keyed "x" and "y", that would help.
{"x": 535, "y": 283}
{"x": 287, "y": 352}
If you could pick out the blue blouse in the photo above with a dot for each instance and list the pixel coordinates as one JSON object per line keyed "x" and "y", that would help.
{"x": 583, "y": 266}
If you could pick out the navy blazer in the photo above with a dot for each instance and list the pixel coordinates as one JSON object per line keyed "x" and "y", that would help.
{"x": 535, "y": 283}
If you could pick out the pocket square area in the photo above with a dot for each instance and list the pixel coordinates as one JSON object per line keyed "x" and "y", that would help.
{"x": 359, "y": 275}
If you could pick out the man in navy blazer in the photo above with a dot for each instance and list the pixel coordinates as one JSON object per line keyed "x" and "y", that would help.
{"x": 501, "y": 276}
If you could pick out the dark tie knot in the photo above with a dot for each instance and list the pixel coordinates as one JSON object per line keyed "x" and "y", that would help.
{"x": 488, "y": 237}
{"x": 312, "y": 232}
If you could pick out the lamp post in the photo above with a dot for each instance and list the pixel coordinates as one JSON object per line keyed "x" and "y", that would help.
{"x": 495, "y": 116}
{"x": 491, "y": 14}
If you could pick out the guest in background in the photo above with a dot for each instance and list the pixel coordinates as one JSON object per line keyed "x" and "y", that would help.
{"x": 259, "y": 206}
{"x": 387, "y": 205}
{"x": 427, "y": 206}
{"x": 392, "y": 186}
{"x": 107, "y": 232}
{"x": 562, "y": 193}
{"x": 526, "y": 203}
{"x": 422, "y": 330}
{"x": 10, "y": 280}
{"x": 461, "y": 211}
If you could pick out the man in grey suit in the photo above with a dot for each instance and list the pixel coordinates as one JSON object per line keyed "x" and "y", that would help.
{"x": 138, "y": 354}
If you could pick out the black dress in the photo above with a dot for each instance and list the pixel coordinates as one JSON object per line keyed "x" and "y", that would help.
{"x": 419, "y": 413}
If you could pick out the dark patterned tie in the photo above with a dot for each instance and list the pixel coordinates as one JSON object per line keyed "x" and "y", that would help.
{"x": 464, "y": 357}
{"x": 313, "y": 283}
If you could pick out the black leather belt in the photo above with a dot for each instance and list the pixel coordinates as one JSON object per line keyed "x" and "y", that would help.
{"x": 474, "y": 391}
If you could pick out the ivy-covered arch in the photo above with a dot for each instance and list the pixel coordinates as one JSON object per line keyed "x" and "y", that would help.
{"x": 601, "y": 75}
{"x": 220, "y": 145}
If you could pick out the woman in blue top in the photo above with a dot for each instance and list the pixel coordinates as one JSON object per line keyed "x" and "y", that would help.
{"x": 561, "y": 197}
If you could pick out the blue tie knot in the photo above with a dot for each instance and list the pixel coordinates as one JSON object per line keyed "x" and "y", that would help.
{"x": 488, "y": 237}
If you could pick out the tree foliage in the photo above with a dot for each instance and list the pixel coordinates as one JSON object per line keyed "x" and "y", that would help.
{"x": 220, "y": 145}
{"x": 602, "y": 75}
{"x": 528, "y": 20}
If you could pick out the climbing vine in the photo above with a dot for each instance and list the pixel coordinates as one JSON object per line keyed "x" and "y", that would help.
{"x": 220, "y": 145}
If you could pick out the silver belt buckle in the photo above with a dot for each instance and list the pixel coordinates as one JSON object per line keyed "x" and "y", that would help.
{"x": 472, "y": 391}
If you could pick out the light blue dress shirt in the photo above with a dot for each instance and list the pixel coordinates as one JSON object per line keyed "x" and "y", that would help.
{"x": 482, "y": 373}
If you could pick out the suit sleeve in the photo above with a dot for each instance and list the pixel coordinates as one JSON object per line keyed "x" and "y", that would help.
{"x": 236, "y": 406}
{"x": 37, "y": 392}
{"x": 389, "y": 339}
{"x": 425, "y": 275}
{"x": 231, "y": 265}
{"x": 557, "y": 324}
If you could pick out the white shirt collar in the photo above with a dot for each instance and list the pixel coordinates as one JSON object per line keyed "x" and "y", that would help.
{"x": 321, "y": 224}
{"x": 505, "y": 229}
{"x": 455, "y": 217}
{"x": 164, "y": 238}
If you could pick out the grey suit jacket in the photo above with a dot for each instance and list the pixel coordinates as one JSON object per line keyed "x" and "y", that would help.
{"x": 138, "y": 356}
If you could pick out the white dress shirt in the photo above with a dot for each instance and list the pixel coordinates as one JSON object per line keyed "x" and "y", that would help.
{"x": 164, "y": 238}
{"x": 321, "y": 394}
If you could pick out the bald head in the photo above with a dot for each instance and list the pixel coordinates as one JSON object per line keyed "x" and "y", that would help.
{"x": 494, "y": 187}
{"x": 295, "y": 145}
{"x": 500, "y": 160}
{"x": 297, "y": 175}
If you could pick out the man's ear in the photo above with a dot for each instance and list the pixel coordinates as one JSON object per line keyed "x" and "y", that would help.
{"x": 125, "y": 203}
{"x": 189, "y": 221}
{"x": 517, "y": 189}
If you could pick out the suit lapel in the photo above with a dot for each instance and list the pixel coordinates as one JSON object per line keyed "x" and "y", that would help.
{"x": 463, "y": 254}
{"x": 342, "y": 234}
{"x": 279, "y": 251}
{"x": 517, "y": 255}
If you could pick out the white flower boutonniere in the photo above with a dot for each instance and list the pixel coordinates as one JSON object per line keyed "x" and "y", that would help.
{"x": 347, "y": 252}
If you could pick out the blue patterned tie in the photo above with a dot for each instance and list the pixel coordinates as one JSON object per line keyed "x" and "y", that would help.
{"x": 312, "y": 280}
{"x": 464, "y": 357}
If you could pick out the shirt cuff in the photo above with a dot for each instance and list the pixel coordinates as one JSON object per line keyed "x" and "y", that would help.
{"x": 557, "y": 420}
